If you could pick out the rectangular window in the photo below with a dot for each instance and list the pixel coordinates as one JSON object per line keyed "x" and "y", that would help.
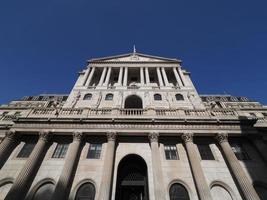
{"x": 61, "y": 150}
{"x": 26, "y": 150}
{"x": 205, "y": 152}
{"x": 240, "y": 152}
{"x": 170, "y": 152}
{"x": 94, "y": 151}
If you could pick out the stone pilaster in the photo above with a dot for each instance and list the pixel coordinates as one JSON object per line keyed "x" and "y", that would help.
{"x": 156, "y": 165}
{"x": 142, "y": 79}
{"x": 125, "y": 77}
{"x": 245, "y": 185}
{"x": 107, "y": 77}
{"x": 147, "y": 76}
{"x": 181, "y": 73}
{"x": 106, "y": 182}
{"x": 71, "y": 161}
{"x": 120, "y": 77}
{"x": 179, "y": 82}
{"x": 198, "y": 174}
{"x": 7, "y": 146}
{"x": 165, "y": 78}
{"x": 24, "y": 180}
{"x": 102, "y": 76}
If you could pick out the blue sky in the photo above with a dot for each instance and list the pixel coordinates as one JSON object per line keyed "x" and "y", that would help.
{"x": 43, "y": 44}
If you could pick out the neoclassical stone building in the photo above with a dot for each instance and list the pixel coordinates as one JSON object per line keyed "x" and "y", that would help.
{"x": 133, "y": 128}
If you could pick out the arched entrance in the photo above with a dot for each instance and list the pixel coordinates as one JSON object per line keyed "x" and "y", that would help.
{"x": 133, "y": 101}
{"x": 132, "y": 183}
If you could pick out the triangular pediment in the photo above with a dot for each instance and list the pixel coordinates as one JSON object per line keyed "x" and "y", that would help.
{"x": 134, "y": 57}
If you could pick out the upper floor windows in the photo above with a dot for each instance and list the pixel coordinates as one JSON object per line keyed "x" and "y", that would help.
{"x": 170, "y": 152}
{"x": 157, "y": 97}
{"x": 109, "y": 97}
{"x": 205, "y": 152}
{"x": 94, "y": 151}
{"x": 61, "y": 150}
{"x": 240, "y": 152}
{"x": 87, "y": 96}
{"x": 179, "y": 97}
{"x": 26, "y": 150}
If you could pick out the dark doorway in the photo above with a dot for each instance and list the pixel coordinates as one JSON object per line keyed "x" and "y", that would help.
{"x": 132, "y": 183}
{"x": 133, "y": 101}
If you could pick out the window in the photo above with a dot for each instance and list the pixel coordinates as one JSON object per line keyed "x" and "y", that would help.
{"x": 86, "y": 192}
{"x": 179, "y": 97}
{"x": 240, "y": 152}
{"x": 61, "y": 150}
{"x": 44, "y": 192}
{"x": 94, "y": 151}
{"x": 87, "y": 96}
{"x": 170, "y": 152}
{"x": 205, "y": 152}
{"x": 26, "y": 150}
{"x": 157, "y": 97}
{"x": 109, "y": 97}
{"x": 178, "y": 192}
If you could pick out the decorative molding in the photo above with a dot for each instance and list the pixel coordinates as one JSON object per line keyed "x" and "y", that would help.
{"x": 153, "y": 136}
{"x": 187, "y": 137}
{"x": 222, "y": 137}
{"x": 111, "y": 135}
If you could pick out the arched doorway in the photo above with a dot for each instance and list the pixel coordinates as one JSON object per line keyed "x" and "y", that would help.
{"x": 133, "y": 101}
{"x": 132, "y": 183}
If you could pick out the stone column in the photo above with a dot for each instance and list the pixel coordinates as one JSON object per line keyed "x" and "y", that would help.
{"x": 147, "y": 76}
{"x": 7, "y": 146}
{"x": 198, "y": 174}
{"x": 24, "y": 180}
{"x": 179, "y": 82}
{"x": 165, "y": 78}
{"x": 156, "y": 165}
{"x": 120, "y": 76}
{"x": 102, "y": 76}
{"x": 86, "y": 75}
{"x": 90, "y": 77}
{"x": 107, "y": 77}
{"x": 106, "y": 182}
{"x": 125, "y": 77}
{"x": 64, "y": 183}
{"x": 244, "y": 183}
{"x": 182, "y": 76}
{"x": 159, "y": 77}
{"x": 260, "y": 146}
{"x": 142, "y": 76}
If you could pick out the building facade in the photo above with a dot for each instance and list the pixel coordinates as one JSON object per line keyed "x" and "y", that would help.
{"x": 133, "y": 128}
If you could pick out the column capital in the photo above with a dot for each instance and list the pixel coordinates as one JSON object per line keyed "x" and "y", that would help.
{"x": 222, "y": 137}
{"x": 11, "y": 134}
{"x": 45, "y": 135}
{"x": 187, "y": 137}
{"x": 153, "y": 136}
{"x": 111, "y": 135}
{"x": 77, "y": 136}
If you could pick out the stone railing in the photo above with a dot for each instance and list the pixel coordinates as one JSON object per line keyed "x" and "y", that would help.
{"x": 128, "y": 113}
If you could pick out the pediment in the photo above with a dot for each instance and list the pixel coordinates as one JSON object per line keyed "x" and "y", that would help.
{"x": 134, "y": 57}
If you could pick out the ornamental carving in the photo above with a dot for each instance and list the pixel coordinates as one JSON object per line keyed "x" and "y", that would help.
{"x": 10, "y": 134}
{"x": 77, "y": 136}
{"x": 44, "y": 135}
{"x": 222, "y": 137}
{"x": 153, "y": 136}
{"x": 111, "y": 135}
{"x": 187, "y": 137}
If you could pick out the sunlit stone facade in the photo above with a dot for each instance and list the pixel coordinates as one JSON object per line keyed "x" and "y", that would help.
{"x": 133, "y": 128}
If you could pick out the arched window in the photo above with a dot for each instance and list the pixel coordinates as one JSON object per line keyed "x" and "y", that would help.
{"x": 44, "y": 192}
{"x": 179, "y": 97}
{"x": 157, "y": 97}
{"x": 86, "y": 192}
{"x": 87, "y": 96}
{"x": 4, "y": 188}
{"x": 218, "y": 192}
{"x": 109, "y": 97}
{"x": 178, "y": 192}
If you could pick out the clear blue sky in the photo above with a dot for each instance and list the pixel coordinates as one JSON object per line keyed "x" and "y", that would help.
{"x": 43, "y": 44}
